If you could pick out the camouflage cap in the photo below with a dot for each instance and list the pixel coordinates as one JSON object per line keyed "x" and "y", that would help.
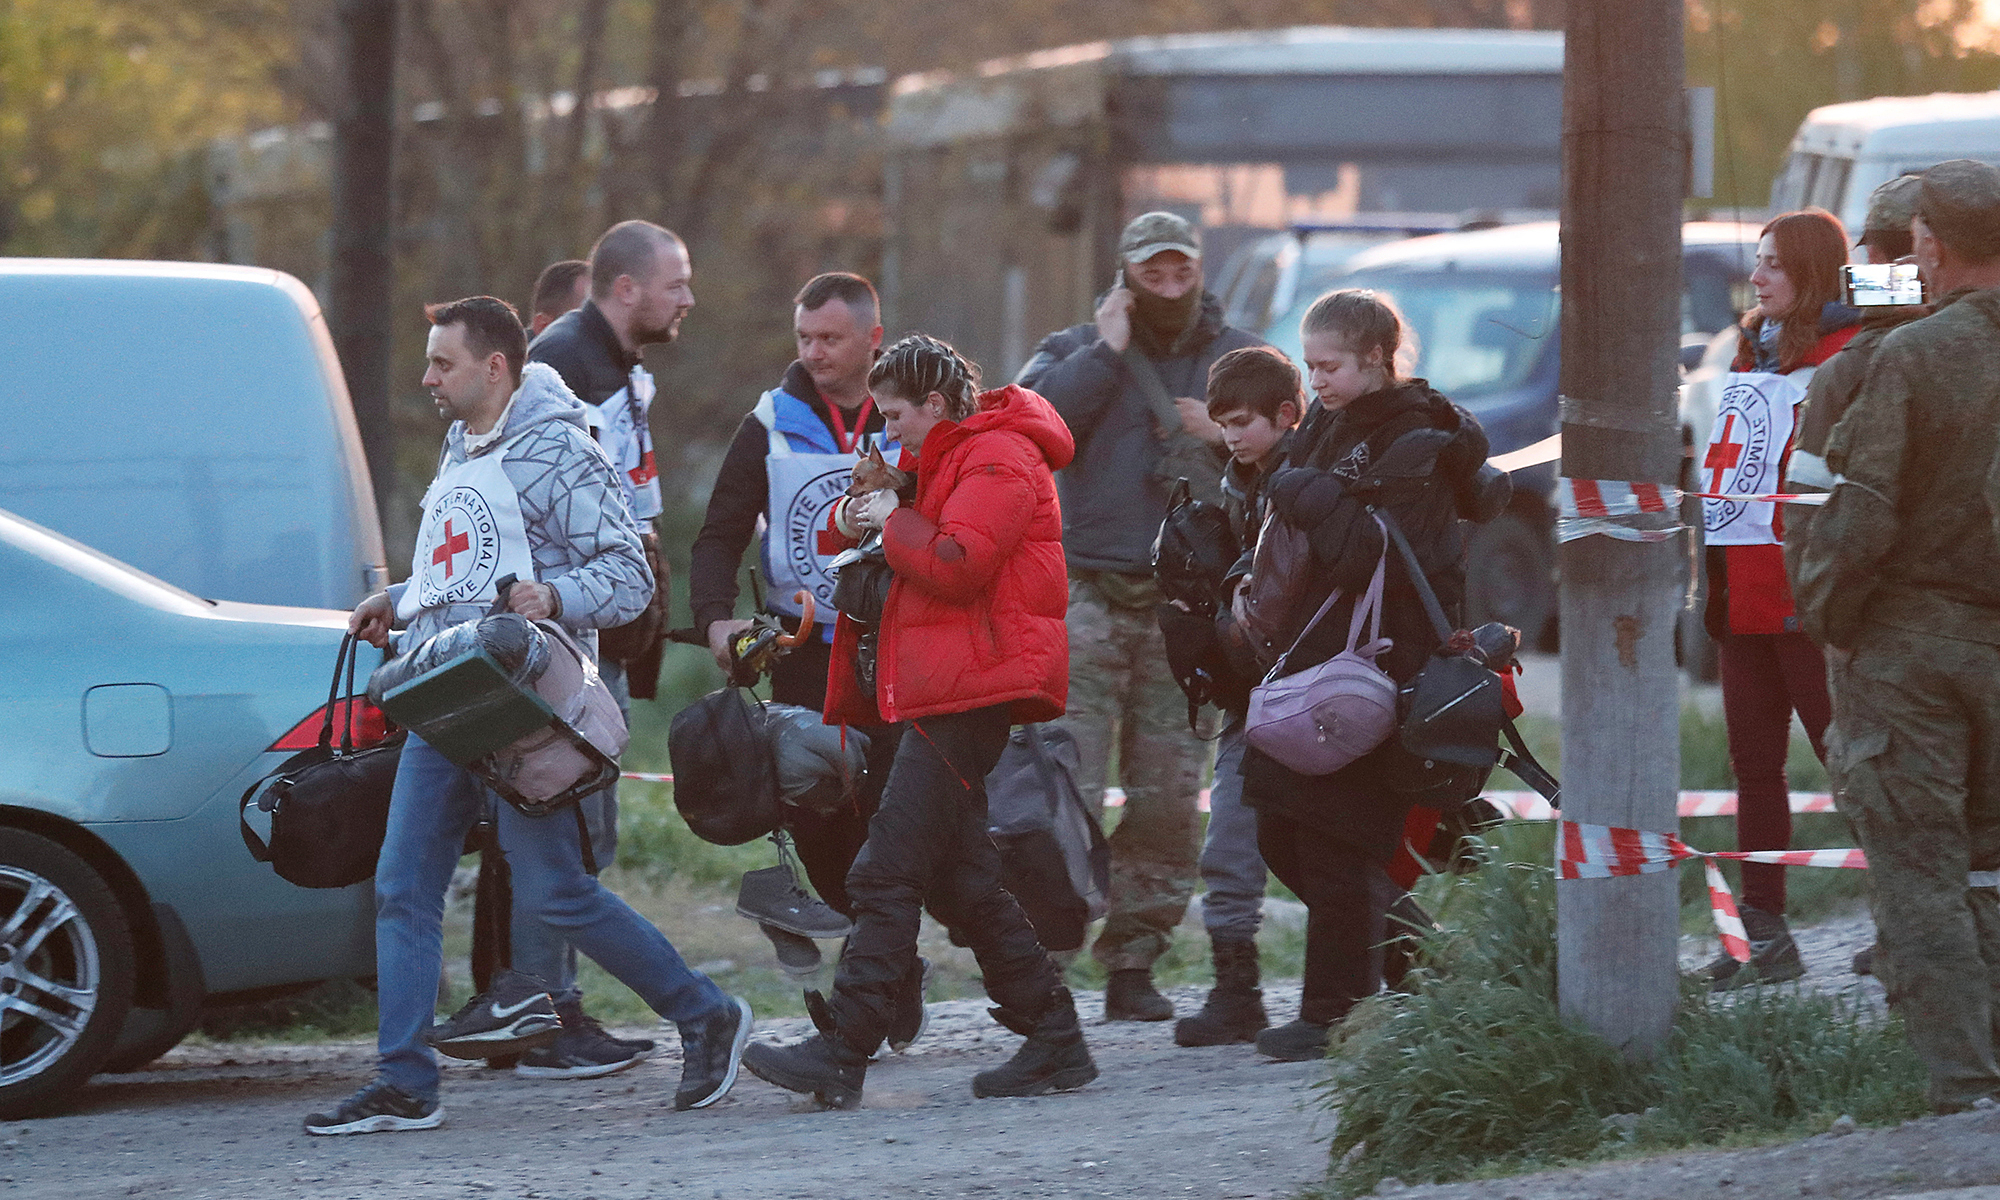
{"x": 1157, "y": 232}
{"x": 1960, "y": 201}
{"x": 1891, "y": 206}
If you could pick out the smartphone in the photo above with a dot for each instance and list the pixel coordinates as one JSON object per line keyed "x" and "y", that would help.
{"x": 1870, "y": 285}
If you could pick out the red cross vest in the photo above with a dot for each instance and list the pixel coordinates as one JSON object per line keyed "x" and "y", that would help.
{"x": 472, "y": 536}
{"x": 803, "y": 487}
{"x": 1745, "y": 455}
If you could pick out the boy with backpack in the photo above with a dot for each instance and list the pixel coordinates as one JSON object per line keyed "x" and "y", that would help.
{"x": 1254, "y": 394}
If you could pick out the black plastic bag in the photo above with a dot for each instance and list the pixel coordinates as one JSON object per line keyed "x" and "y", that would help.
{"x": 725, "y": 774}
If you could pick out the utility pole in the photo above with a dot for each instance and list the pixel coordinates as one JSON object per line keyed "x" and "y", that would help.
{"x": 362, "y": 280}
{"x": 1624, "y": 143}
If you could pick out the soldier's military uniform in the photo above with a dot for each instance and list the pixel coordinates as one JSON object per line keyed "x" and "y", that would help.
{"x": 1901, "y": 576}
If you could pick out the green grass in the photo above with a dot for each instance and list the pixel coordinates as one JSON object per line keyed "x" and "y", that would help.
{"x": 1477, "y": 1074}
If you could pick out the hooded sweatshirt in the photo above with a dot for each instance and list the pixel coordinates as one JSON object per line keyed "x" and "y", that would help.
{"x": 581, "y": 537}
{"x": 975, "y": 615}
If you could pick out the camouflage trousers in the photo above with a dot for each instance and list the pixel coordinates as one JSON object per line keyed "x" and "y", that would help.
{"x": 1122, "y": 698}
{"x": 1916, "y": 747}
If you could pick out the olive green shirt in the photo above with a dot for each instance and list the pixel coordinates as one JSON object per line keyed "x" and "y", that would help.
{"x": 1909, "y": 539}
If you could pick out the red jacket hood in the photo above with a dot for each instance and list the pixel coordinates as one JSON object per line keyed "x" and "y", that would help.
{"x": 1021, "y": 411}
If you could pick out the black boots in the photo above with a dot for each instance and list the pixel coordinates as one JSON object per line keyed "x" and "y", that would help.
{"x": 1234, "y": 1010}
{"x": 1131, "y": 996}
{"x": 822, "y": 1066}
{"x": 1053, "y": 1059}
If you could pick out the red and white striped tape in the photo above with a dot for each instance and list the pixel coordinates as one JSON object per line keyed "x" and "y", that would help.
{"x": 1605, "y": 851}
{"x": 1588, "y": 507}
{"x": 1612, "y": 498}
{"x": 1530, "y": 806}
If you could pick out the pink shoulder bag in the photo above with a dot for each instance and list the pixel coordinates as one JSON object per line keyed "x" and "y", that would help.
{"x": 1325, "y": 717}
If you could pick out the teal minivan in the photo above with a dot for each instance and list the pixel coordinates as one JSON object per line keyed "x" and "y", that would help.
{"x": 191, "y": 519}
{"x": 189, "y": 419}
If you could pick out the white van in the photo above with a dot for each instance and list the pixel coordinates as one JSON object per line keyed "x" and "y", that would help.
{"x": 1842, "y": 152}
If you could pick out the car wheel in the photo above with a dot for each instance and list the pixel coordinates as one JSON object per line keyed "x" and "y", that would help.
{"x": 66, "y": 973}
{"x": 1510, "y": 577}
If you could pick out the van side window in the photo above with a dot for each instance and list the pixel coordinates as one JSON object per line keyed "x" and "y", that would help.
{"x": 1829, "y": 189}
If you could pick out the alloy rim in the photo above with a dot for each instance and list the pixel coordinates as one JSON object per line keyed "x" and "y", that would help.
{"x": 49, "y": 974}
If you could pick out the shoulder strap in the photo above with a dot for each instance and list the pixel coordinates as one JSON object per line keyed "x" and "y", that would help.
{"x": 1166, "y": 414}
{"x": 1371, "y": 601}
{"x": 1417, "y": 580}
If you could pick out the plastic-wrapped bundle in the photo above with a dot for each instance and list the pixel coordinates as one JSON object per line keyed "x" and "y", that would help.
{"x": 815, "y": 770}
{"x": 510, "y": 639}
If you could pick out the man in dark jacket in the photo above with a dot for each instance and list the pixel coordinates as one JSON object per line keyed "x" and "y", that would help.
{"x": 1128, "y": 385}
{"x": 1900, "y": 580}
{"x": 639, "y": 290}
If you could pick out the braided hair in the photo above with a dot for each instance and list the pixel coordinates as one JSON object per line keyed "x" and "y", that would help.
{"x": 918, "y": 365}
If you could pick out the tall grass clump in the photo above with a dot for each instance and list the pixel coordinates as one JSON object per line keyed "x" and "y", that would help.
{"x": 1476, "y": 1072}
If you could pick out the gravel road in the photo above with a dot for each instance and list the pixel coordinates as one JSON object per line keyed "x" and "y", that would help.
{"x": 223, "y": 1121}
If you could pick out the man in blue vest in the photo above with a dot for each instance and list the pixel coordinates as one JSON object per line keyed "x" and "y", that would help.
{"x": 791, "y": 458}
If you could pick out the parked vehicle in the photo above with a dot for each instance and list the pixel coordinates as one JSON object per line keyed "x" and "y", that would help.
{"x": 188, "y": 419}
{"x": 133, "y": 715}
{"x": 1484, "y": 308}
{"x": 1842, "y": 152}
{"x": 1260, "y": 282}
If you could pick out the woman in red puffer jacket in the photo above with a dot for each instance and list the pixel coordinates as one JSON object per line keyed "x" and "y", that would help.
{"x": 971, "y": 640}
{"x": 975, "y": 615}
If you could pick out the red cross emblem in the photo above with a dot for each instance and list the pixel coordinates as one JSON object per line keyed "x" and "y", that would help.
{"x": 827, "y": 543}
{"x": 1723, "y": 454}
{"x": 453, "y": 543}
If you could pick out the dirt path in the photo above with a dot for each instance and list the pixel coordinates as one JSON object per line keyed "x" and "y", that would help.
{"x": 1941, "y": 1156}
{"x": 223, "y": 1121}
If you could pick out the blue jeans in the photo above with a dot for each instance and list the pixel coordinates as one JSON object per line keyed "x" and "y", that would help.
{"x": 1231, "y": 868}
{"x": 537, "y": 948}
{"x": 433, "y": 806}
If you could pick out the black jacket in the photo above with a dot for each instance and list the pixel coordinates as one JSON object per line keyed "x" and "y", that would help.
{"x": 742, "y": 493}
{"x": 1412, "y": 452}
{"x": 1112, "y": 502}
{"x": 586, "y": 353}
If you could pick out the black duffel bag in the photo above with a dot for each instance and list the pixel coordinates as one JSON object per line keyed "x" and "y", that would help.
{"x": 1053, "y": 856}
{"x": 725, "y": 774}
{"x": 329, "y": 805}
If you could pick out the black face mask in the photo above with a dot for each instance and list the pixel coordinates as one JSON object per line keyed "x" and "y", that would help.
{"x": 1159, "y": 322}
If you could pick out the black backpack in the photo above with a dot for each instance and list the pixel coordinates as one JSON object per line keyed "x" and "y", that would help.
{"x": 1053, "y": 855}
{"x": 1194, "y": 550}
{"x": 725, "y": 776}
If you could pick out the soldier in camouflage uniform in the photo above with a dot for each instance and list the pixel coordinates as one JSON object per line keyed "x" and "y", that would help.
{"x": 1129, "y": 387}
{"x": 1900, "y": 579}
{"x": 1885, "y": 237}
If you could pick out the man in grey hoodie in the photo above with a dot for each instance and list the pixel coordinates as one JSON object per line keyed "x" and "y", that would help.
{"x": 521, "y": 490}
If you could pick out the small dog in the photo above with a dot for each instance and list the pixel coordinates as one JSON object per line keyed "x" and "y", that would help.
{"x": 874, "y": 474}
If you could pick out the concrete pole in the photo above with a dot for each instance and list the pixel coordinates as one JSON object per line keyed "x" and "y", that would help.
{"x": 1623, "y": 166}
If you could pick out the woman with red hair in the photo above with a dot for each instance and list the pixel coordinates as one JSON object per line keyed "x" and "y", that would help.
{"x": 1769, "y": 668}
